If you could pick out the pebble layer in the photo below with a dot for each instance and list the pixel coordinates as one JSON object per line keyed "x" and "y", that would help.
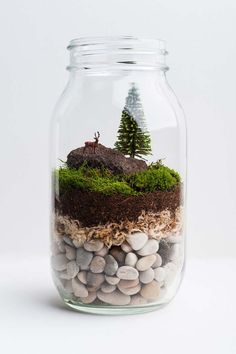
{"x": 137, "y": 272}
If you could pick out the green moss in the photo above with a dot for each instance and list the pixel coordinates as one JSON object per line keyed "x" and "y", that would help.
{"x": 156, "y": 177}
{"x": 161, "y": 178}
{"x": 94, "y": 180}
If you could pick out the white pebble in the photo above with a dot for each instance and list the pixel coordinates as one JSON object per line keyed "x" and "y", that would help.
{"x": 137, "y": 300}
{"x": 147, "y": 276}
{"x": 98, "y": 264}
{"x": 159, "y": 274}
{"x": 126, "y": 247}
{"x": 129, "y": 283}
{"x": 131, "y": 259}
{"x": 146, "y": 262}
{"x": 82, "y": 276}
{"x": 150, "y": 247}
{"x": 59, "y": 262}
{"x": 137, "y": 240}
{"x": 127, "y": 273}
{"x": 90, "y": 298}
{"x": 114, "y": 298}
{"x": 79, "y": 289}
{"x": 108, "y": 288}
{"x": 151, "y": 290}
{"x": 158, "y": 261}
{"x": 93, "y": 245}
{"x": 72, "y": 269}
{"x": 112, "y": 280}
{"x": 103, "y": 252}
{"x": 70, "y": 252}
{"x": 129, "y": 291}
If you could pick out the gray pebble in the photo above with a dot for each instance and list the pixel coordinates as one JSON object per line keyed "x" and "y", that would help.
{"x": 112, "y": 280}
{"x": 70, "y": 252}
{"x": 54, "y": 248}
{"x": 98, "y": 264}
{"x": 82, "y": 276}
{"x": 83, "y": 258}
{"x": 158, "y": 261}
{"x": 111, "y": 265}
{"x": 131, "y": 259}
{"x": 160, "y": 274}
{"x": 61, "y": 246}
{"x": 60, "y": 283}
{"x": 137, "y": 240}
{"x": 127, "y": 273}
{"x": 95, "y": 280}
{"x": 147, "y": 276}
{"x": 129, "y": 291}
{"x": 72, "y": 269}
{"x": 68, "y": 241}
{"x": 118, "y": 254}
{"x": 150, "y": 247}
{"x": 164, "y": 251}
{"x": 114, "y": 298}
{"x": 59, "y": 262}
{"x": 103, "y": 252}
{"x": 93, "y": 245}
{"x": 150, "y": 291}
{"x": 146, "y": 262}
{"x": 108, "y": 288}
{"x": 126, "y": 247}
{"x": 68, "y": 287}
{"x": 79, "y": 289}
{"x": 175, "y": 252}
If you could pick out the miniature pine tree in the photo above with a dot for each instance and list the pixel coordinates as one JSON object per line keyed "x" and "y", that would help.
{"x": 133, "y": 138}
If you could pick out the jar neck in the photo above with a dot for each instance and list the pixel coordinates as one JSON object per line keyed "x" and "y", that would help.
{"x": 117, "y": 53}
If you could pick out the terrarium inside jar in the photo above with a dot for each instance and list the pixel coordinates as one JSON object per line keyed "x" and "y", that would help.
{"x": 118, "y": 179}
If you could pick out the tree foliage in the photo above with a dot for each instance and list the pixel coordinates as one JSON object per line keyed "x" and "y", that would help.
{"x": 133, "y": 138}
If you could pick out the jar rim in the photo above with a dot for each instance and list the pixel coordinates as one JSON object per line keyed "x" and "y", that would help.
{"x": 141, "y": 42}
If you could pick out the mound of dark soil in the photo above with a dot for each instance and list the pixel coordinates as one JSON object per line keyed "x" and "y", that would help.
{"x": 111, "y": 159}
{"x": 92, "y": 208}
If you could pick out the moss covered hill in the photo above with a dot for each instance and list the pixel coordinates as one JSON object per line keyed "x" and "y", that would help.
{"x": 92, "y": 172}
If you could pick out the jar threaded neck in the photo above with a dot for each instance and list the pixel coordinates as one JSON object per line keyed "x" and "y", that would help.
{"x": 124, "y": 52}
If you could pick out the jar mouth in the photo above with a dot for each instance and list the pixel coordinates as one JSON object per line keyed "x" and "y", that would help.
{"x": 126, "y": 51}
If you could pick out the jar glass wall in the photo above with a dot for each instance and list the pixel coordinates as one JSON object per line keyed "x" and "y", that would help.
{"x": 118, "y": 167}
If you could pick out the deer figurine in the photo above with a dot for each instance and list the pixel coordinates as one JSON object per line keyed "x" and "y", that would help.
{"x": 92, "y": 144}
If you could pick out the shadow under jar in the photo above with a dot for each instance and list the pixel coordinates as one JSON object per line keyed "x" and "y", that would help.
{"x": 118, "y": 179}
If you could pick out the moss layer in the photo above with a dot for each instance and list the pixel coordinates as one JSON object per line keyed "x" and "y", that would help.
{"x": 156, "y": 177}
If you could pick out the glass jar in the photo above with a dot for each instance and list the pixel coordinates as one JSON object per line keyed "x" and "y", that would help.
{"x": 118, "y": 167}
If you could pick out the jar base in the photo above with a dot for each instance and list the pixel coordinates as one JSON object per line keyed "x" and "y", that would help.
{"x": 113, "y": 310}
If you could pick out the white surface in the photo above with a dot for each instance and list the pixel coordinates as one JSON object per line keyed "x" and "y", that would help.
{"x": 200, "y": 36}
{"x": 201, "y": 319}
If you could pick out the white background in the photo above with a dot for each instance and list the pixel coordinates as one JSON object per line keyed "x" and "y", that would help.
{"x": 200, "y": 37}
